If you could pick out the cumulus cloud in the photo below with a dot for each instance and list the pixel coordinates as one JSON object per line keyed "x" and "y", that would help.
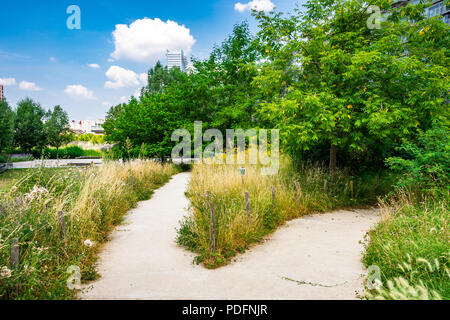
{"x": 52, "y": 59}
{"x": 258, "y": 5}
{"x": 120, "y": 78}
{"x": 106, "y": 103}
{"x": 29, "y": 86}
{"x": 93, "y": 66}
{"x": 79, "y": 91}
{"x": 123, "y": 99}
{"x": 146, "y": 40}
{"x": 8, "y": 81}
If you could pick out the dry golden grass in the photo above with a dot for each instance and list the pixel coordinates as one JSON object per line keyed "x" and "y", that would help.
{"x": 234, "y": 230}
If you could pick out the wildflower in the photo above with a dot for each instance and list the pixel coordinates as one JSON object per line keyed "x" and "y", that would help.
{"x": 88, "y": 243}
{"x": 13, "y": 189}
{"x": 5, "y": 272}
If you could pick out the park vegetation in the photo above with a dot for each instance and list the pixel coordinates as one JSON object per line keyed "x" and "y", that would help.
{"x": 90, "y": 201}
{"x": 31, "y": 130}
{"x": 361, "y": 100}
{"x": 363, "y": 114}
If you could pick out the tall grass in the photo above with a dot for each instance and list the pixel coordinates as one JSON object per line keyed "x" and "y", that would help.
{"x": 411, "y": 247}
{"x": 235, "y": 231}
{"x": 93, "y": 200}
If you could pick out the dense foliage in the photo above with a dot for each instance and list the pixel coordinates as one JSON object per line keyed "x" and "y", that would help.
{"x": 6, "y": 125}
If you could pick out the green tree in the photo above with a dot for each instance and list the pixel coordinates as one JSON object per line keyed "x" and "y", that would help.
{"x": 56, "y": 128}
{"x": 29, "y": 131}
{"x": 160, "y": 77}
{"x": 329, "y": 79}
{"x": 6, "y": 125}
{"x": 218, "y": 92}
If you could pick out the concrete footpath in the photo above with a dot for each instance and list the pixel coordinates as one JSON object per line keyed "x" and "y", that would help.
{"x": 314, "y": 257}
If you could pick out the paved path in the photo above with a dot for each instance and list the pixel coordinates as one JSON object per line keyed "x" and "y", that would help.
{"x": 53, "y": 163}
{"x": 315, "y": 257}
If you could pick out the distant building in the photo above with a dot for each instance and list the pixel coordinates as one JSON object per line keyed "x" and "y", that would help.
{"x": 1, "y": 93}
{"x": 437, "y": 9}
{"x": 88, "y": 126}
{"x": 176, "y": 59}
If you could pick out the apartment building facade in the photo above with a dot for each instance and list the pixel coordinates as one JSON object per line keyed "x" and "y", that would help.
{"x": 176, "y": 59}
{"x": 437, "y": 8}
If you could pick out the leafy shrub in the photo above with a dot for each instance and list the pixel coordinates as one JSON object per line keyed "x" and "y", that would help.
{"x": 70, "y": 152}
{"x": 426, "y": 164}
{"x": 92, "y": 138}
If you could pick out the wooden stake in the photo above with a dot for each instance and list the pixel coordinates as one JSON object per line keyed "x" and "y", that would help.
{"x": 132, "y": 182}
{"x": 377, "y": 185}
{"x": 325, "y": 186}
{"x": 273, "y": 194}
{"x": 62, "y": 225}
{"x": 351, "y": 188}
{"x": 297, "y": 184}
{"x": 15, "y": 253}
{"x": 247, "y": 201}
{"x": 212, "y": 243}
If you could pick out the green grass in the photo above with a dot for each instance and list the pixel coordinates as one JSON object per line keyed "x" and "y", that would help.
{"x": 11, "y": 177}
{"x": 411, "y": 247}
{"x": 235, "y": 232}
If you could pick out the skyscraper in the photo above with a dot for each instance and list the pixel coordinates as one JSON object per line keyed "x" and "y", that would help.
{"x": 176, "y": 59}
{"x": 1, "y": 92}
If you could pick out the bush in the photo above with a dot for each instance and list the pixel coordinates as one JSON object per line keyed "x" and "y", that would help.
{"x": 426, "y": 163}
{"x": 70, "y": 152}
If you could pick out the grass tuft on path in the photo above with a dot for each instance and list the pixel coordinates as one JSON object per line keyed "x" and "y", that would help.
{"x": 235, "y": 231}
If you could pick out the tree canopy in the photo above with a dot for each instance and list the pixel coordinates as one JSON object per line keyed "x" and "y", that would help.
{"x": 339, "y": 87}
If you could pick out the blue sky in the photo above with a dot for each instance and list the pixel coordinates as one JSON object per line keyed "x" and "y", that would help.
{"x": 42, "y": 59}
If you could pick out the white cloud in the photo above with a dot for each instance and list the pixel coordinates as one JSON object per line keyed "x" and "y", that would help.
{"x": 52, "y": 58}
{"x": 79, "y": 91}
{"x": 144, "y": 78}
{"x": 124, "y": 99}
{"x": 106, "y": 103}
{"x": 93, "y": 66}
{"x": 258, "y": 5}
{"x": 8, "y": 81}
{"x": 147, "y": 40}
{"x": 29, "y": 86}
{"x": 121, "y": 78}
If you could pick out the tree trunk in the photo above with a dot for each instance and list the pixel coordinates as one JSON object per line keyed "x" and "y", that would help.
{"x": 332, "y": 159}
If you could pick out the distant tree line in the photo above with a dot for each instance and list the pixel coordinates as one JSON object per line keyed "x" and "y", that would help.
{"x": 29, "y": 127}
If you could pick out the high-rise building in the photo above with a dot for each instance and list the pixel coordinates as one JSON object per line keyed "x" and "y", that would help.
{"x": 1, "y": 92}
{"x": 176, "y": 59}
{"x": 438, "y": 8}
